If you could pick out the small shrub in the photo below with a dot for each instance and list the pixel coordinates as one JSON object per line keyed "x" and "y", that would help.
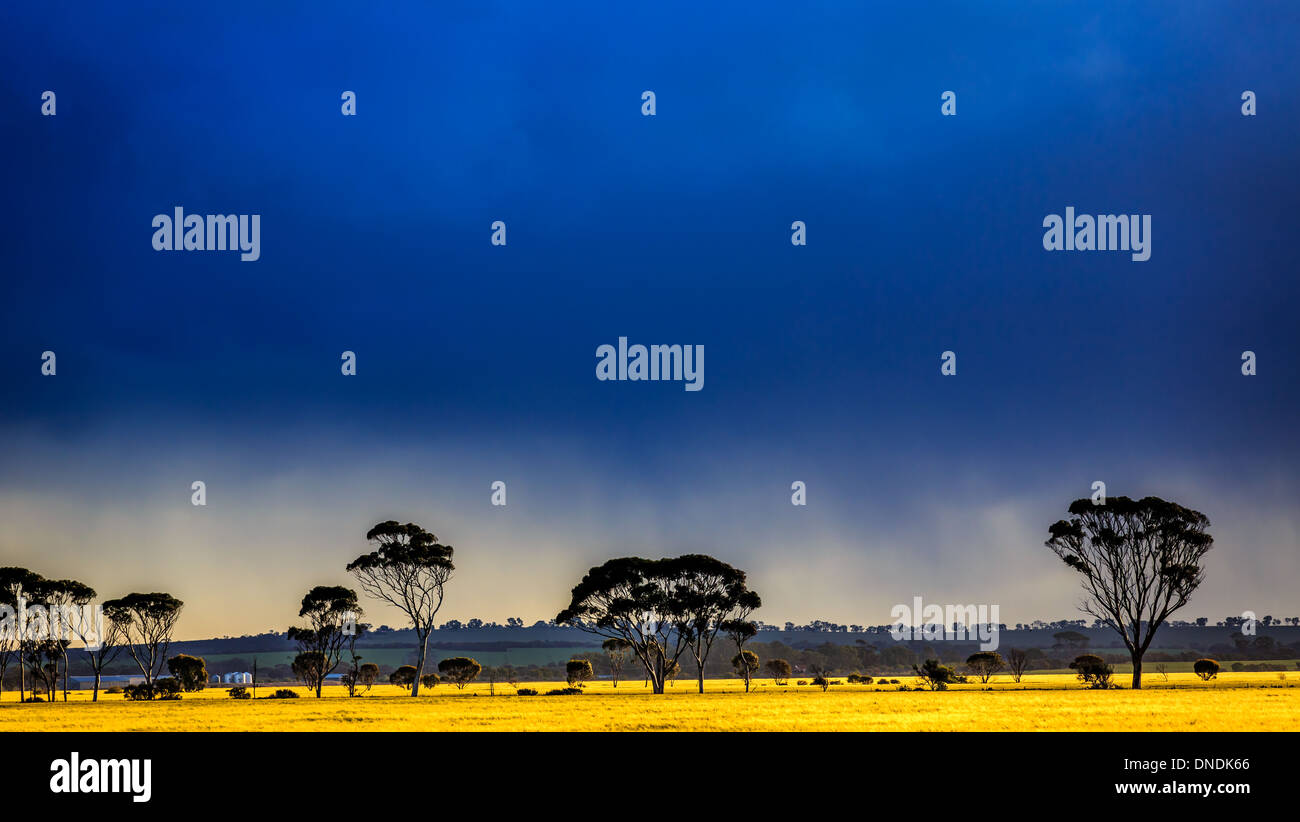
{"x": 167, "y": 688}
{"x": 239, "y": 692}
{"x": 779, "y": 670}
{"x": 403, "y": 677}
{"x": 459, "y": 670}
{"x": 1093, "y": 671}
{"x": 564, "y": 692}
{"x": 1206, "y": 669}
{"x": 802, "y": 682}
{"x": 937, "y": 675}
{"x": 527, "y": 692}
{"x": 283, "y": 693}
{"x": 113, "y": 690}
{"x": 578, "y": 671}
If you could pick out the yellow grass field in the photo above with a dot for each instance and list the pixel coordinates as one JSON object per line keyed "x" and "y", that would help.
{"x": 1047, "y": 702}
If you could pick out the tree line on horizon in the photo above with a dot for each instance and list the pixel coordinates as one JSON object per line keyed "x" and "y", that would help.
{"x": 1138, "y": 561}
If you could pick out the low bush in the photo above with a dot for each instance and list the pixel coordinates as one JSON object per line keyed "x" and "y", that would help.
{"x": 936, "y": 675}
{"x": 165, "y": 688}
{"x": 1206, "y": 669}
{"x": 1093, "y": 671}
{"x": 168, "y": 687}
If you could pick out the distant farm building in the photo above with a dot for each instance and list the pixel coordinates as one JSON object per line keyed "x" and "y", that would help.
{"x": 86, "y": 683}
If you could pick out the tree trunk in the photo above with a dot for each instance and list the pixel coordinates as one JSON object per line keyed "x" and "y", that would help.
{"x": 1137, "y": 672}
{"x": 701, "y": 670}
{"x": 419, "y": 663}
{"x": 95, "y": 696}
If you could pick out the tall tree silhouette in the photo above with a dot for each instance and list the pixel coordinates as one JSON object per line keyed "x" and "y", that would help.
{"x": 331, "y": 612}
{"x": 408, "y": 570}
{"x": 1140, "y": 561}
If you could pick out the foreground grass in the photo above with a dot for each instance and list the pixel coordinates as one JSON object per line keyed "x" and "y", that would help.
{"x": 1046, "y": 702}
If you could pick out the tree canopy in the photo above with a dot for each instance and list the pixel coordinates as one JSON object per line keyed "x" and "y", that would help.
{"x": 661, "y": 607}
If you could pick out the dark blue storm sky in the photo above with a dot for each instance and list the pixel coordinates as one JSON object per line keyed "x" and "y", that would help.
{"x": 476, "y": 362}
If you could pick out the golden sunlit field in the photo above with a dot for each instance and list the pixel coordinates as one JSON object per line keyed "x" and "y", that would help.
{"x": 1044, "y": 702}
